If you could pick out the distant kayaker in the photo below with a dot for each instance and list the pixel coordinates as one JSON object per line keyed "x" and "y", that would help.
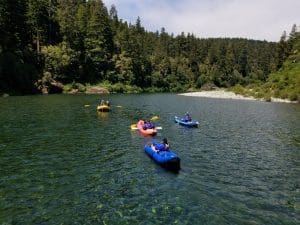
{"x": 102, "y": 102}
{"x": 107, "y": 103}
{"x": 187, "y": 118}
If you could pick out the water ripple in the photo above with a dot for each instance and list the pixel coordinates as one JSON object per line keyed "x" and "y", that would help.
{"x": 63, "y": 163}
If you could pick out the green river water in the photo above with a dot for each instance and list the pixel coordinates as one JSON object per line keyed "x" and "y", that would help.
{"x": 64, "y": 163}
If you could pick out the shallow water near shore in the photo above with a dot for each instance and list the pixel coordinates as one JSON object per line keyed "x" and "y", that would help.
{"x": 61, "y": 162}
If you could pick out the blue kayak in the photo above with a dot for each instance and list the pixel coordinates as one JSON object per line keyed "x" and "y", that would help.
{"x": 167, "y": 159}
{"x": 188, "y": 124}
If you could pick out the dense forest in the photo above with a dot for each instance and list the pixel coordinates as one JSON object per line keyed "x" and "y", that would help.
{"x": 285, "y": 81}
{"x": 80, "y": 43}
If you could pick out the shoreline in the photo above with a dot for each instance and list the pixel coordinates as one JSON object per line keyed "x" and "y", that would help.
{"x": 223, "y": 94}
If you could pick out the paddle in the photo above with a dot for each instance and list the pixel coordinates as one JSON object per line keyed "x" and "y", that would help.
{"x": 154, "y": 118}
{"x": 133, "y": 127}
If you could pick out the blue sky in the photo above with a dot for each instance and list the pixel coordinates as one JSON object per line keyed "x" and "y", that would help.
{"x": 253, "y": 19}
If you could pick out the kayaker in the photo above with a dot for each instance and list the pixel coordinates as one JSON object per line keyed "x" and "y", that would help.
{"x": 145, "y": 125}
{"x": 160, "y": 146}
{"x": 187, "y": 118}
{"x": 148, "y": 125}
{"x": 151, "y": 125}
{"x": 165, "y": 142}
{"x": 107, "y": 103}
{"x": 102, "y": 102}
{"x": 153, "y": 148}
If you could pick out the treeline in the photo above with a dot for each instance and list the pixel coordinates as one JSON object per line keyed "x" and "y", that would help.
{"x": 284, "y": 83}
{"x": 79, "y": 41}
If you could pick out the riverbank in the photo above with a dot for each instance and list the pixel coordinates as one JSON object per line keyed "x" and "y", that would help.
{"x": 224, "y": 94}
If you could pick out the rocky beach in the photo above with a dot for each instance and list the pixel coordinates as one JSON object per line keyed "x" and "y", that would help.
{"x": 223, "y": 94}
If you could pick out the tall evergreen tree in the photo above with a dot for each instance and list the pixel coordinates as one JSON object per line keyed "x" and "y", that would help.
{"x": 99, "y": 39}
{"x": 66, "y": 14}
{"x": 282, "y": 50}
{"x": 40, "y": 18}
{"x": 14, "y": 30}
{"x": 17, "y": 63}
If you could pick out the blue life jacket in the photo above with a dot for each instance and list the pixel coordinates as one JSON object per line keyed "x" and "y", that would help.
{"x": 148, "y": 125}
{"x": 186, "y": 119}
{"x": 159, "y": 146}
{"x": 151, "y": 125}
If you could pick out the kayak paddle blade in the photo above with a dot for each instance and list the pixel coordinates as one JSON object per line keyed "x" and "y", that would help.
{"x": 133, "y": 126}
{"x": 154, "y": 118}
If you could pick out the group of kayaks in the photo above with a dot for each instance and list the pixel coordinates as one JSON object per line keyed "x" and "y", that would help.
{"x": 166, "y": 158}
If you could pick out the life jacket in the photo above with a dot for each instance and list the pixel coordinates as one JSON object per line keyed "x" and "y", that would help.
{"x": 148, "y": 125}
{"x": 186, "y": 119}
{"x": 151, "y": 125}
{"x": 159, "y": 146}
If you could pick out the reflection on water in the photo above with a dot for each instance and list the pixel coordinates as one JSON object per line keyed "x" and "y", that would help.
{"x": 64, "y": 163}
{"x": 103, "y": 115}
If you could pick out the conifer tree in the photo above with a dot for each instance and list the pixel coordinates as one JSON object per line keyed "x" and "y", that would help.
{"x": 99, "y": 39}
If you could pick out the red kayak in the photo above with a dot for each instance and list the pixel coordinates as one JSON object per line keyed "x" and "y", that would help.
{"x": 152, "y": 131}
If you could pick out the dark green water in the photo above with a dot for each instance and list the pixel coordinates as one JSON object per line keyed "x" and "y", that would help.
{"x": 63, "y": 163}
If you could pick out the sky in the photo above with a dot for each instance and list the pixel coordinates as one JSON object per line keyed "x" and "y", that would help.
{"x": 252, "y": 19}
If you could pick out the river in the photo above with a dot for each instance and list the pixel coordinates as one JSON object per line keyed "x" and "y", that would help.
{"x": 61, "y": 162}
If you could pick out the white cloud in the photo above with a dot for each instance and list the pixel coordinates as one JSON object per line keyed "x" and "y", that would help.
{"x": 253, "y": 19}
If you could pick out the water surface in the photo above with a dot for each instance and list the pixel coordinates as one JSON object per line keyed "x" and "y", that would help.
{"x": 64, "y": 163}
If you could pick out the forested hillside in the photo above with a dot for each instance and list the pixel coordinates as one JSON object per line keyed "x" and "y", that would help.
{"x": 82, "y": 42}
{"x": 285, "y": 82}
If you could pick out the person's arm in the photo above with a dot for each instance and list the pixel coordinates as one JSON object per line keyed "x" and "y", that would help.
{"x": 154, "y": 149}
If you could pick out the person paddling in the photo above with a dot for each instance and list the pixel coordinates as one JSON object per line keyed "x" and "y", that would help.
{"x": 148, "y": 125}
{"x": 157, "y": 147}
{"x": 187, "y": 118}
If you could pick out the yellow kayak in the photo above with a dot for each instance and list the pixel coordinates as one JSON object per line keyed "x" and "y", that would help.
{"x": 103, "y": 108}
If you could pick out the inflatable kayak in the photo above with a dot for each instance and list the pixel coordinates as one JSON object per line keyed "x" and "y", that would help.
{"x": 103, "y": 108}
{"x": 167, "y": 159}
{"x": 188, "y": 124}
{"x": 152, "y": 131}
